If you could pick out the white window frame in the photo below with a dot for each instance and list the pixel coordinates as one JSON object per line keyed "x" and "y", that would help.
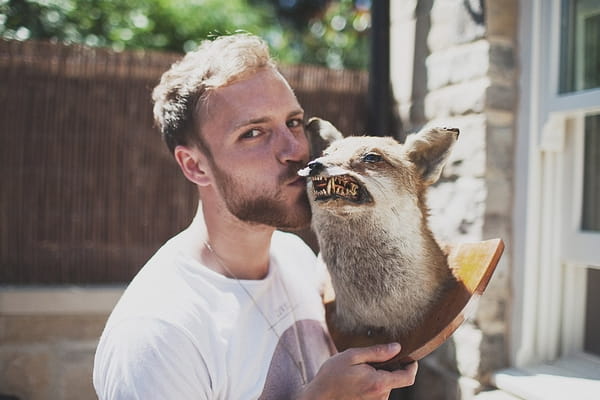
{"x": 551, "y": 253}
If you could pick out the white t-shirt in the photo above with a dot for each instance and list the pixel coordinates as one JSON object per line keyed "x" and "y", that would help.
{"x": 182, "y": 331}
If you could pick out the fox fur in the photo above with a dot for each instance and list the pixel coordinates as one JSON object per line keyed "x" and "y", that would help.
{"x": 367, "y": 196}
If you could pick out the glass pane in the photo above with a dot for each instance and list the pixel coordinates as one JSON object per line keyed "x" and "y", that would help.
{"x": 592, "y": 315}
{"x": 580, "y": 45}
{"x": 590, "y": 220}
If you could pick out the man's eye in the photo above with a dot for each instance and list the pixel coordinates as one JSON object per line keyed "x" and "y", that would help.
{"x": 295, "y": 123}
{"x": 371, "y": 158}
{"x": 252, "y": 133}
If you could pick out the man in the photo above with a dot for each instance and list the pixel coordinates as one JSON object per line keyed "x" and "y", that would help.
{"x": 231, "y": 308}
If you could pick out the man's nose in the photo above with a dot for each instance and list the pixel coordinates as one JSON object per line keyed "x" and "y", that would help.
{"x": 292, "y": 146}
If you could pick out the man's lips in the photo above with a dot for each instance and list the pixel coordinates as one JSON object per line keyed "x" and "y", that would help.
{"x": 290, "y": 176}
{"x": 298, "y": 181}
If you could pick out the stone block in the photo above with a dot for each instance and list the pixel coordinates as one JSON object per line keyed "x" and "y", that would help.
{"x": 468, "y": 388}
{"x": 502, "y": 63}
{"x": 402, "y": 43}
{"x": 502, "y": 19}
{"x": 433, "y": 383}
{"x": 458, "y": 64}
{"x": 499, "y": 195}
{"x": 27, "y": 373}
{"x": 402, "y": 10}
{"x": 491, "y": 309}
{"x": 460, "y": 99}
{"x": 467, "y": 340}
{"x": 500, "y": 97}
{"x": 495, "y": 395}
{"x": 455, "y": 22}
{"x": 500, "y": 118}
{"x": 500, "y": 150}
{"x": 494, "y": 356}
{"x": 499, "y": 226}
{"x": 457, "y": 209}
{"x": 22, "y": 329}
{"x": 468, "y": 157}
{"x": 453, "y": 370}
{"x": 75, "y": 381}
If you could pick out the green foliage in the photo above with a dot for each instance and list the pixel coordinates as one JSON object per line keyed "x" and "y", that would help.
{"x": 337, "y": 37}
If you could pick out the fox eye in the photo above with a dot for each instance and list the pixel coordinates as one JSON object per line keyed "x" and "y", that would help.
{"x": 371, "y": 158}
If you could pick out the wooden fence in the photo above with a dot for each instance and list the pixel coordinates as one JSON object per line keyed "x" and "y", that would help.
{"x": 89, "y": 191}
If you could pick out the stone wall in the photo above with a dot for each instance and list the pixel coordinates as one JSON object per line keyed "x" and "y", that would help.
{"x": 48, "y": 337}
{"x": 468, "y": 79}
{"x": 48, "y": 356}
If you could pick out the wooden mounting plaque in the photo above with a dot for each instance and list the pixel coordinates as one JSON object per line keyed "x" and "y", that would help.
{"x": 473, "y": 265}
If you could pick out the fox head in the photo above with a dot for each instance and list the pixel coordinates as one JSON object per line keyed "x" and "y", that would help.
{"x": 359, "y": 172}
{"x": 367, "y": 196}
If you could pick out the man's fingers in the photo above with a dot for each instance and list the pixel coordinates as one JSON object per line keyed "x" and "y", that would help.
{"x": 401, "y": 377}
{"x": 410, "y": 369}
{"x": 373, "y": 354}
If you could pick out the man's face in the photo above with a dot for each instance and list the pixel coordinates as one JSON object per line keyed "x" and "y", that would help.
{"x": 255, "y": 132}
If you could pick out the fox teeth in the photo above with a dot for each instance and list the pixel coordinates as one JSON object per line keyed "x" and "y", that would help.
{"x": 330, "y": 186}
{"x": 339, "y": 186}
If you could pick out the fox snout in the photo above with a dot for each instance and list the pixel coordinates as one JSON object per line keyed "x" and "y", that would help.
{"x": 455, "y": 130}
{"x": 314, "y": 168}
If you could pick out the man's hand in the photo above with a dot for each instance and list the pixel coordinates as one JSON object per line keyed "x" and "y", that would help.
{"x": 347, "y": 375}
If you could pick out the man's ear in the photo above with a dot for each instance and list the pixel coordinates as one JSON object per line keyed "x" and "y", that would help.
{"x": 429, "y": 150}
{"x": 193, "y": 164}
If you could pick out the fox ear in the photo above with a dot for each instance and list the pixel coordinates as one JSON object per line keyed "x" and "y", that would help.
{"x": 320, "y": 134}
{"x": 429, "y": 150}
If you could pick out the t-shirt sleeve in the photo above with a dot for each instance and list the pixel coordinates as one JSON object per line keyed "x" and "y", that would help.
{"x": 149, "y": 359}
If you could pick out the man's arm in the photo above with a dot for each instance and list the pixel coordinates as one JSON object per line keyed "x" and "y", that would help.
{"x": 145, "y": 358}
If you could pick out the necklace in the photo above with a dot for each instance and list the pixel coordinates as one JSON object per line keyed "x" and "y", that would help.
{"x": 299, "y": 364}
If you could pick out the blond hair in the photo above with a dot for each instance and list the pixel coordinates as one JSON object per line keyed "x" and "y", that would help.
{"x": 187, "y": 84}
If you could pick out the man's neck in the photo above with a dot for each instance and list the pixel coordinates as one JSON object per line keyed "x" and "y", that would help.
{"x": 231, "y": 247}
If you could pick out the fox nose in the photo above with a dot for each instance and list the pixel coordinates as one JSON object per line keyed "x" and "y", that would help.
{"x": 314, "y": 167}
{"x": 455, "y": 130}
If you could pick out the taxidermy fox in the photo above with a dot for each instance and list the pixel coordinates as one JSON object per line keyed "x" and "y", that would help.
{"x": 367, "y": 196}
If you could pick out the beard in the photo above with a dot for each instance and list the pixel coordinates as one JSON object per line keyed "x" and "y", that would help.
{"x": 265, "y": 207}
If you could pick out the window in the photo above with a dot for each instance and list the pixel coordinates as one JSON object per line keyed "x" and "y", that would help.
{"x": 592, "y": 318}
{"x": 580, "y": 55}
{"x": 580, "y": 255}
{"x": 556, "y": 335}
{"x": 580, "y": 72}
{"x": 590, "y": 220}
